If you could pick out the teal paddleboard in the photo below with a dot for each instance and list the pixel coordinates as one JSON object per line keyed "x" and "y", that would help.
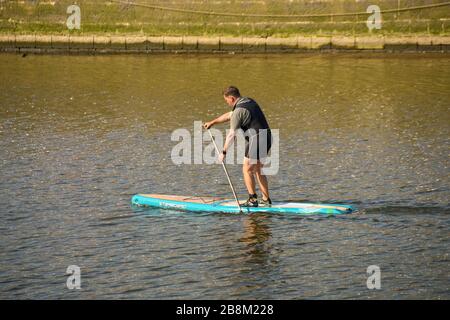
{"x": 210, "y": 204}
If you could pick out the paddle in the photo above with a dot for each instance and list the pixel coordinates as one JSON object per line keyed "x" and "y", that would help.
{"x": 226, "y": 172}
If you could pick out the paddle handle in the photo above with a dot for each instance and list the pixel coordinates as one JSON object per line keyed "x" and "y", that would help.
{"x": 226, "y": 172}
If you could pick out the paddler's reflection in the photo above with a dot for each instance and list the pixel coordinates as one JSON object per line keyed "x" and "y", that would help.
{"x": 256, "y": 234}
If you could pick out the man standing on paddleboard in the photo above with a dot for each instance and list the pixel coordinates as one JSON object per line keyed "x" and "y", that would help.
{"x": 247, "y": 116}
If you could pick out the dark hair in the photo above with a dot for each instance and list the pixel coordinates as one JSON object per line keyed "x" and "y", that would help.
{"x": 231, "y": 91}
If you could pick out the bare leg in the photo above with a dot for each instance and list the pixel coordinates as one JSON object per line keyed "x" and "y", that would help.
{"x": 249, "y": 179}
{"x": 262, "y": 181}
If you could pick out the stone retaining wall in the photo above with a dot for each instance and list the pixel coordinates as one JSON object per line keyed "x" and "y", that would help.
{"x": 148, "y": 44}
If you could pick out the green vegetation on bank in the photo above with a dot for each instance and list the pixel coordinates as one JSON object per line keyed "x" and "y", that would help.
{"x": 104, "y": 17}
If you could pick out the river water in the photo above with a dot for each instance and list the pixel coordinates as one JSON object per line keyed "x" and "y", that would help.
{"x": 79, "y": 135}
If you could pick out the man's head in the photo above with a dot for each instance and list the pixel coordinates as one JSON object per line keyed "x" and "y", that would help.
{"x": 231, "y": 94}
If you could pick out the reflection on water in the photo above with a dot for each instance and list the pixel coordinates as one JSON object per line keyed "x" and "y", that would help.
{"x": 256, "y": 233}
{"x": 80, "y": 134}
{"x": 256, "y": 230}
{"x": 259, "y": 260}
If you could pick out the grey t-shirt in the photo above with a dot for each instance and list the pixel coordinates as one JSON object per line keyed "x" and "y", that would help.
{"x": 240, "y": 117}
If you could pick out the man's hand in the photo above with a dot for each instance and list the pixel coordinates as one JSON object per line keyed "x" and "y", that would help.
{"x": 208, "y": 125}
{"x": 221, "y": 157}
{"x": 223, "y": 118}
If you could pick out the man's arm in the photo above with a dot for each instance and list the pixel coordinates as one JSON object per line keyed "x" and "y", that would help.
{"x": 238, "y": 117}
{"x": 228, "y": 142}
{"x": 223, "y": 118}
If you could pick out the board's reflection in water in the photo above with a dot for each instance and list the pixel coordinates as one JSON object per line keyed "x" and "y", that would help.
{"x": 256, "y": 233}
{"x": 259, "y": 261}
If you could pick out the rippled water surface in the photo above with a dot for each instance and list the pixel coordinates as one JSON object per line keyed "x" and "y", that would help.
{"x": 79, "y": 135}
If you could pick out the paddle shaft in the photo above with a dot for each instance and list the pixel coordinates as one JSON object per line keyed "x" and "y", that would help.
{"x": 226, "y": 172}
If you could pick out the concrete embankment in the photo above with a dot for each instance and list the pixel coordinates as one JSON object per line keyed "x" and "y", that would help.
{"x": 173, "y": 44}
{"x": 223, "y": 26}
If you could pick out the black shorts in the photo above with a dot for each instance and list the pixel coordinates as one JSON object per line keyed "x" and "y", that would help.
{"x": 258, "y": 147}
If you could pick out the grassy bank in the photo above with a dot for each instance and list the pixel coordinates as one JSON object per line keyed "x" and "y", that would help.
{"x": 111, "y": 18}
